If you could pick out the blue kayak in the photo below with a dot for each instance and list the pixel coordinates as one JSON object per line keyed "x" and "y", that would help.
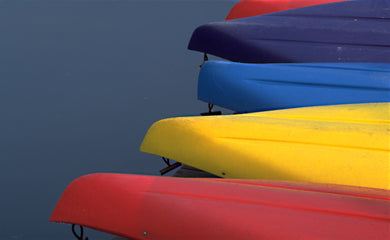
{"x": 249, "y": 87}
{"x": 351, "y": 31}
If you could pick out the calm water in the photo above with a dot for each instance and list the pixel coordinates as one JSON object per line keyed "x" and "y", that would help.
{"x": 80, "y": 84}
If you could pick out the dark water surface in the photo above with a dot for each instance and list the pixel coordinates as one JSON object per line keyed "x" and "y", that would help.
{"x": 80, "y": 84}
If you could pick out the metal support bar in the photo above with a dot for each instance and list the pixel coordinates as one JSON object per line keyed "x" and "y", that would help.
{"x": 210, "y": 112}
{"x": 81, "y": 236}
{"x": 170, "y": 166}
{"x": 205, "y": 59}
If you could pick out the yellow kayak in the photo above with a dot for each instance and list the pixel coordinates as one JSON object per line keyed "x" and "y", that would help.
{"x": 340, "y": 144}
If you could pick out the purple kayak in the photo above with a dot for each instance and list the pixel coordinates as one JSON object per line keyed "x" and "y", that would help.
{"x": 351, "y": 31}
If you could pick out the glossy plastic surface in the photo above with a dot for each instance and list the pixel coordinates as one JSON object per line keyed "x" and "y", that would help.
{"x": 351, "y": 31}
{"x": 150, "y": 207}
{"x": 341, "y": 144}
{"x": 249, "y": 8}
{"x": 244, "y": 87}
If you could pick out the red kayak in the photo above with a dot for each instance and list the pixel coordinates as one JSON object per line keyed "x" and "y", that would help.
{"x": 151, "y": 207}
{"x": 249, "y": 8}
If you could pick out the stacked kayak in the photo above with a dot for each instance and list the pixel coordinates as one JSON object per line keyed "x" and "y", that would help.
{"x": 249, "y": 8}
{"x": 338, "y": 144}
{"x": 150, "y": 207}
{"x": 311, "y": 160}
{"x": 245, "y": 87}
{"x": 349, "y": 31}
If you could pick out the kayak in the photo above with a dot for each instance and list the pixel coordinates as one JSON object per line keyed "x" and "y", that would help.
{"x": 152, "y": 207}
{"x": 249, "y": 8}
{"x": 349, "y": 31}
{"x": 248, "y": 87}
{"x": 339, "y": 144}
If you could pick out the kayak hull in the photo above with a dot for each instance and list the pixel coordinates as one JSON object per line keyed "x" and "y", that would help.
{"x": 244, "y": 87}
{"x": 340, "y": 144}
{"x": 350, "y": 31}
{"x": 151, "y": 207}
{"x": 249, "y": 8}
